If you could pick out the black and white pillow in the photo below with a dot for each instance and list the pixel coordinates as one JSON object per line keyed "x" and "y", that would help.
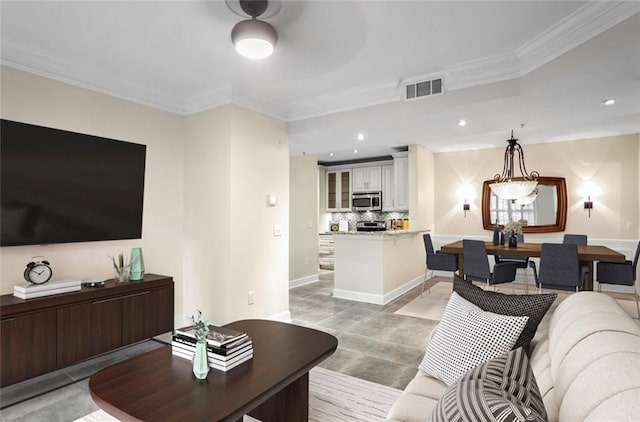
{"x": 466, "y": 337}
{"x": 501, "y": 389}
{"x": 534, "y": 306}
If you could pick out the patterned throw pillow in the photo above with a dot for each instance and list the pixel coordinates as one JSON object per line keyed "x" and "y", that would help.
{"x": 466, "y": 337}
{"x": 534, "y": 306}
{"x": 501, "y": 389}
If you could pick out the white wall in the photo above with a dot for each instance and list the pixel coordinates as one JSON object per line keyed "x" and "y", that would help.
{"x": 33, "y": 99}
{"x": 303, "y": 215}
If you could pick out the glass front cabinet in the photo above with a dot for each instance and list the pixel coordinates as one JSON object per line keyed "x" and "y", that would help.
{"x": 339, "y": 190}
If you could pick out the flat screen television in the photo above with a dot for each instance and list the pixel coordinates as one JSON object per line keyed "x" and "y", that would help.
{"x": 62, "y": 187}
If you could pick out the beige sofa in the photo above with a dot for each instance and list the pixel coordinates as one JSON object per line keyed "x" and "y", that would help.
{"x": 586, "y": 359}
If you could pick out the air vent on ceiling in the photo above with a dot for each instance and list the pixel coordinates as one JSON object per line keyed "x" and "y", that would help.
{"x": 423, "y": 89}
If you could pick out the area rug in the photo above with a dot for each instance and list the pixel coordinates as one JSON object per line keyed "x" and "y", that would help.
{"x": 431, "y": 305}
{"x": 333, "y": 397}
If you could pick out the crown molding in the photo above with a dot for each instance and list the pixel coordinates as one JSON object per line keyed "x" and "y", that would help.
{"x": 350, "y": 99}
{"x": 584, "y": 24}
{"x": 258, "y": 102}
{"x": 42, "y": 63}
{"x": 482, "y": 71}
{"x": 212, "y": 98}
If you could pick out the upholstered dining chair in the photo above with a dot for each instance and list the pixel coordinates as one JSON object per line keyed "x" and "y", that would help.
{"x": 623, "y": 274}
{"x": 559, "y": 267}
{"x": 476, "y": 265}
{"x": 521, "y": 262}
{"x": 437, "y": 260}
{"x": 577, "y": 239}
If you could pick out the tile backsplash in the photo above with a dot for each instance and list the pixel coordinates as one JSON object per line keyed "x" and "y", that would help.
{"x": 354, "y": 217}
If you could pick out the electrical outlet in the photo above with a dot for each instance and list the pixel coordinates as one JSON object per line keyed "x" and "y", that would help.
{"x": 250, "y": 297}
{"x": 277, "y": 230}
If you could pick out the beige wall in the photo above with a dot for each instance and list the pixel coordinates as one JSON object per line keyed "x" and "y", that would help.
{"x": 207, "y": 213}
{"x": 33, "y": 99}
{"x": 206, "y": 221}
{"x": 259, "y": 260}
{"x": 303, "y": 215}
{"x": 421, "y": 188}
{"x": 609, "y": 163}
{"x": 236, "y": 158}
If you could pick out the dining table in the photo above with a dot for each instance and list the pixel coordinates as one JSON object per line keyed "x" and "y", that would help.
{"x": 587, "y": 254}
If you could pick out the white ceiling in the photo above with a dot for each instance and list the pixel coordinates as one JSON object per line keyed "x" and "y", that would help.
{"x": 339, "y": 66}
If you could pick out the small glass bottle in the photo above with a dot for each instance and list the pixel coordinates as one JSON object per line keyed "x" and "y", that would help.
{"x": 405, "y": 224}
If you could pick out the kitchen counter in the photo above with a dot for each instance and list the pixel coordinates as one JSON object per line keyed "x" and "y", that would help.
{"x": 377, "y": 267}
{"x": 380, "y": 233}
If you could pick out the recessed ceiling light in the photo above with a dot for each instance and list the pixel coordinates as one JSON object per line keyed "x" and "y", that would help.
{"x": 360, "y": 136}
{"x": 462, "y": 122}
{"x": 355, "y": 151}
{"x": 610, "y": 101}
{"x": 331, "y": 154}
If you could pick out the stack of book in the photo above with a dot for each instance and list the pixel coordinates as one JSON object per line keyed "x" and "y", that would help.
{"x": 226, "y": 348}
{"x": 30, "y": 291}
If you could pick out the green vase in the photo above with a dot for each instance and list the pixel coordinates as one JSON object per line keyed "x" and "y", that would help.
{"x": 201, "y": 360}
{"x": 136, "y": 263}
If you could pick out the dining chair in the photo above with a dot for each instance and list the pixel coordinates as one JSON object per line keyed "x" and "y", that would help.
{"x": 559, "y": 267}
{"x": 476, "y": 265}
{"x": 623, "y": 274}
{"x": 522, "y": 262}
{"x": 437, "y": 260}
{"x": 574, "y": 239}
{"x": 577, "y": 239}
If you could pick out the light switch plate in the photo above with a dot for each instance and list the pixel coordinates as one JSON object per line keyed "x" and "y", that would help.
{"x": 277, "y": 230}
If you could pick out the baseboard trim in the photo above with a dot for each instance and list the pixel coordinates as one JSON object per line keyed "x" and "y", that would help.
{"x": 397, "y": 292}
{"x": 358, "y": 296}
{"x": 284, "y": 316}
{"x": 303, "y": 281}
{"x": 377, "y": 299}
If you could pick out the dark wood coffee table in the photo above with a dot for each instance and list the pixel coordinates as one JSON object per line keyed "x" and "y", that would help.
{"x": 273, "y": 386}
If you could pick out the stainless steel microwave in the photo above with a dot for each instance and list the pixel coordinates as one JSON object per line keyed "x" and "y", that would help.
{"x": 366, "y": 201}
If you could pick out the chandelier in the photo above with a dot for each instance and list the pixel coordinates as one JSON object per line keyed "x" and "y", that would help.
{"x": 505, "y": 186}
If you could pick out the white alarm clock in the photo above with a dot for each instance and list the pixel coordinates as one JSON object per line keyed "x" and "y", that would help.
{"x": 38, "y": 272}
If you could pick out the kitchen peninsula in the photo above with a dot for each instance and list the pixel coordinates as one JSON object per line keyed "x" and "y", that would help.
{"x": 377, "y": 267}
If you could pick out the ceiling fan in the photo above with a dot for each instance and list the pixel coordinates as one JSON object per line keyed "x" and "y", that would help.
{"x": 254, "y": 39}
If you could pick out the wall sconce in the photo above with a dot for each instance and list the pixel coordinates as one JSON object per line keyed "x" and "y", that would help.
{"x": 465, "y": 208}
{"x": 588, "y": 205}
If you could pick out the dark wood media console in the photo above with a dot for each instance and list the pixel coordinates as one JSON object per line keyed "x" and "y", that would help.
{"x": 44, "y": 334}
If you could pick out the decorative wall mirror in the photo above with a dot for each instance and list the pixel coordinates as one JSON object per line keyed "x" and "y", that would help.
{"x": 548, "y": 213}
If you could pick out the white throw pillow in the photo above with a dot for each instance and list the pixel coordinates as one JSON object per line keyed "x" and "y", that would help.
{"x": 468, "y": 336}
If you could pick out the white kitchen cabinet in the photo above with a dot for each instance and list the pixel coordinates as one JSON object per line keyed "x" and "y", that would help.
{"x": 395, "y": 185}
{"x": 339, "y": 190}
{"x": 401, "y": 173}
{"x": 367, "y": 179}
{"x": 388, "y": 189}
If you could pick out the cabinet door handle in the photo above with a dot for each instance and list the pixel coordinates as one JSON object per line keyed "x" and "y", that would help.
{"x": 136, "y": 294}
{"x": 9, "y": 319}
{"x": 120, "y": 297}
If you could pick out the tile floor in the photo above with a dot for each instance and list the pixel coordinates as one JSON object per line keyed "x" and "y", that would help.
{"x": 373, "y": 344}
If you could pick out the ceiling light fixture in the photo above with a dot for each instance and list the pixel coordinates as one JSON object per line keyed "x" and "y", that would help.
{"x": 254, "y": 39}
{"x": 360, "y": 136}
{"x": 462, "y": 123}
{"x": 609, "y": 102}
{"x": 507, "y": 188}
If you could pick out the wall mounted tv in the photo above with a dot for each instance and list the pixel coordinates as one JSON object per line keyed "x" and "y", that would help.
{"x": 61, "y": 187}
